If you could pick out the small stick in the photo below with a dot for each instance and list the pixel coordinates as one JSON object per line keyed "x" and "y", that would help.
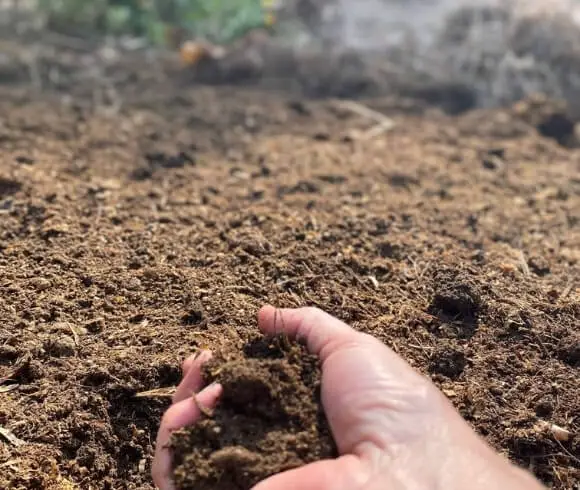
{"x": 365, "y": 111}
{"x": 74, "y": 333}
{"x": 379, "y": 129}
{"x": 157, "y": 393}
{"x": 523, "y": 263}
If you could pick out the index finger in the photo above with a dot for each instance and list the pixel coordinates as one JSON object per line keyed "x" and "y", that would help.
{"x": 178, "y": 416}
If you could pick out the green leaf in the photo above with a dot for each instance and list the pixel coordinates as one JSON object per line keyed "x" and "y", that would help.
{"x": 216, "y": 20}
{"x": 156, "y": 32}
{"x": 119, "y": 18}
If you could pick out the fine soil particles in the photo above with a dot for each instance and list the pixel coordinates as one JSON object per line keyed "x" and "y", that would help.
{"x": 142, "y": 224}
{"x": 269, "y": 420}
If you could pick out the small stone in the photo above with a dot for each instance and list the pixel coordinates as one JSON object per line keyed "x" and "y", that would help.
{"x": 133, "y": 283}
{"x": 496, "y": 390}
{"x": 40, "y": 283}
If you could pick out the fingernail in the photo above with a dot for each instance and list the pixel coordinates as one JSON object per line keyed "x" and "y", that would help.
{"x": 214, "y": 388}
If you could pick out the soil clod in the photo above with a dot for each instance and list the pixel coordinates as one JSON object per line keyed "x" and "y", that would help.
{"x": 268, "y": 420}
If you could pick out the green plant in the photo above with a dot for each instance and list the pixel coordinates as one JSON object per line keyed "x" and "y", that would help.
{"x": 219, "y": 21}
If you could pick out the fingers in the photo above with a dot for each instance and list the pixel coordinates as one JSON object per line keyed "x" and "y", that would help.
{"x": 344, "y": 473}
{"x": 178, "y": 416}
{"x": 192, "y": 380}
{"x": 186, "y": 365}
{"x": 323, "y": 333}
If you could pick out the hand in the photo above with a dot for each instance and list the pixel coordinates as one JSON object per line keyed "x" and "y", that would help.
{"x": 183, "y": 412}
{"x": 393, "y": 428}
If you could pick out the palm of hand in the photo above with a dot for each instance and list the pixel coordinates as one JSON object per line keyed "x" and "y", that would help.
{"x": 376, "y": 404}
{"x": 392, "y": 427}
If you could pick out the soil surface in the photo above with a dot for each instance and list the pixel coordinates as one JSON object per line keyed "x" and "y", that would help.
{"x": 140, "y": 224}
{"x": 269, "y": 420}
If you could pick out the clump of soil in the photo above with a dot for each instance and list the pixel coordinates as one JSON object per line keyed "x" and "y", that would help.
{"x": 269, "y": 420}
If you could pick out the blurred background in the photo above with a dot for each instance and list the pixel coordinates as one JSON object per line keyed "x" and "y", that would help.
{"x": 454, "y": 53}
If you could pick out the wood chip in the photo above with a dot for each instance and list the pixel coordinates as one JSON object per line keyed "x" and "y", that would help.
{"x": 10, "y": 437}
{"x": 450, "y": 393}
{"x": 374, "y": 281}
{"x": 559, "y": 433}
{"x": 7, "y": 388}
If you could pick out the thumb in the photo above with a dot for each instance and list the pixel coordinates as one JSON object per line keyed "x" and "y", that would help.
{"x": 344, "y": 473}
{"x": 369, "y": 393}
{"x": 326, "y": 335}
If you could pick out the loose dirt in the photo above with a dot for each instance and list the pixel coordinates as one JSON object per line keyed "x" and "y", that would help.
{"x": 141, "y": 225}
{"x": 269, "y": 420}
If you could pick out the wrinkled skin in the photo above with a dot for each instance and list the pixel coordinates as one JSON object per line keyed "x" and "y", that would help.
{"x": 393, "y": 428}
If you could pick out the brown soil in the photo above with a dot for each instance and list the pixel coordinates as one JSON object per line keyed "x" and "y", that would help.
{"x": 135, "y": 233}
{"x": 269, "y": 420}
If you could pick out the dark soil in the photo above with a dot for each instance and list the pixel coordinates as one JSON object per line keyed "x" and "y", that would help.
{"x": 269, "y": 420}
{"x": 142, "y": 224}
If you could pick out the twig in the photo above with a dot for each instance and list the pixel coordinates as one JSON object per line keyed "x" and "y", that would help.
{"x": 384, "y": 123}
{"x": 568, "y": 453}
{"x": 523, "y": 263}
{"x": 7, "y": 388}
{"x": 156, "y": 393}
{"x": 379, "y": 129}
{"x": 362, "y": 110}
{"x": 74, "y": 333}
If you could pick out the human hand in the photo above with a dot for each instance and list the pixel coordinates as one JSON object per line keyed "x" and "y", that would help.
{"x": 393, "y": 428}
{"x": 184, "y": 411}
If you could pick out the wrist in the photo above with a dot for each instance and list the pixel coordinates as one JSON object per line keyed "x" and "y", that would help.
{"x": 479, "y": 467}
{"x": 455, "y": 459}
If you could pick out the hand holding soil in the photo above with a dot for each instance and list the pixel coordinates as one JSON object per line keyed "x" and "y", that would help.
{"x": 392, "y": 427}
